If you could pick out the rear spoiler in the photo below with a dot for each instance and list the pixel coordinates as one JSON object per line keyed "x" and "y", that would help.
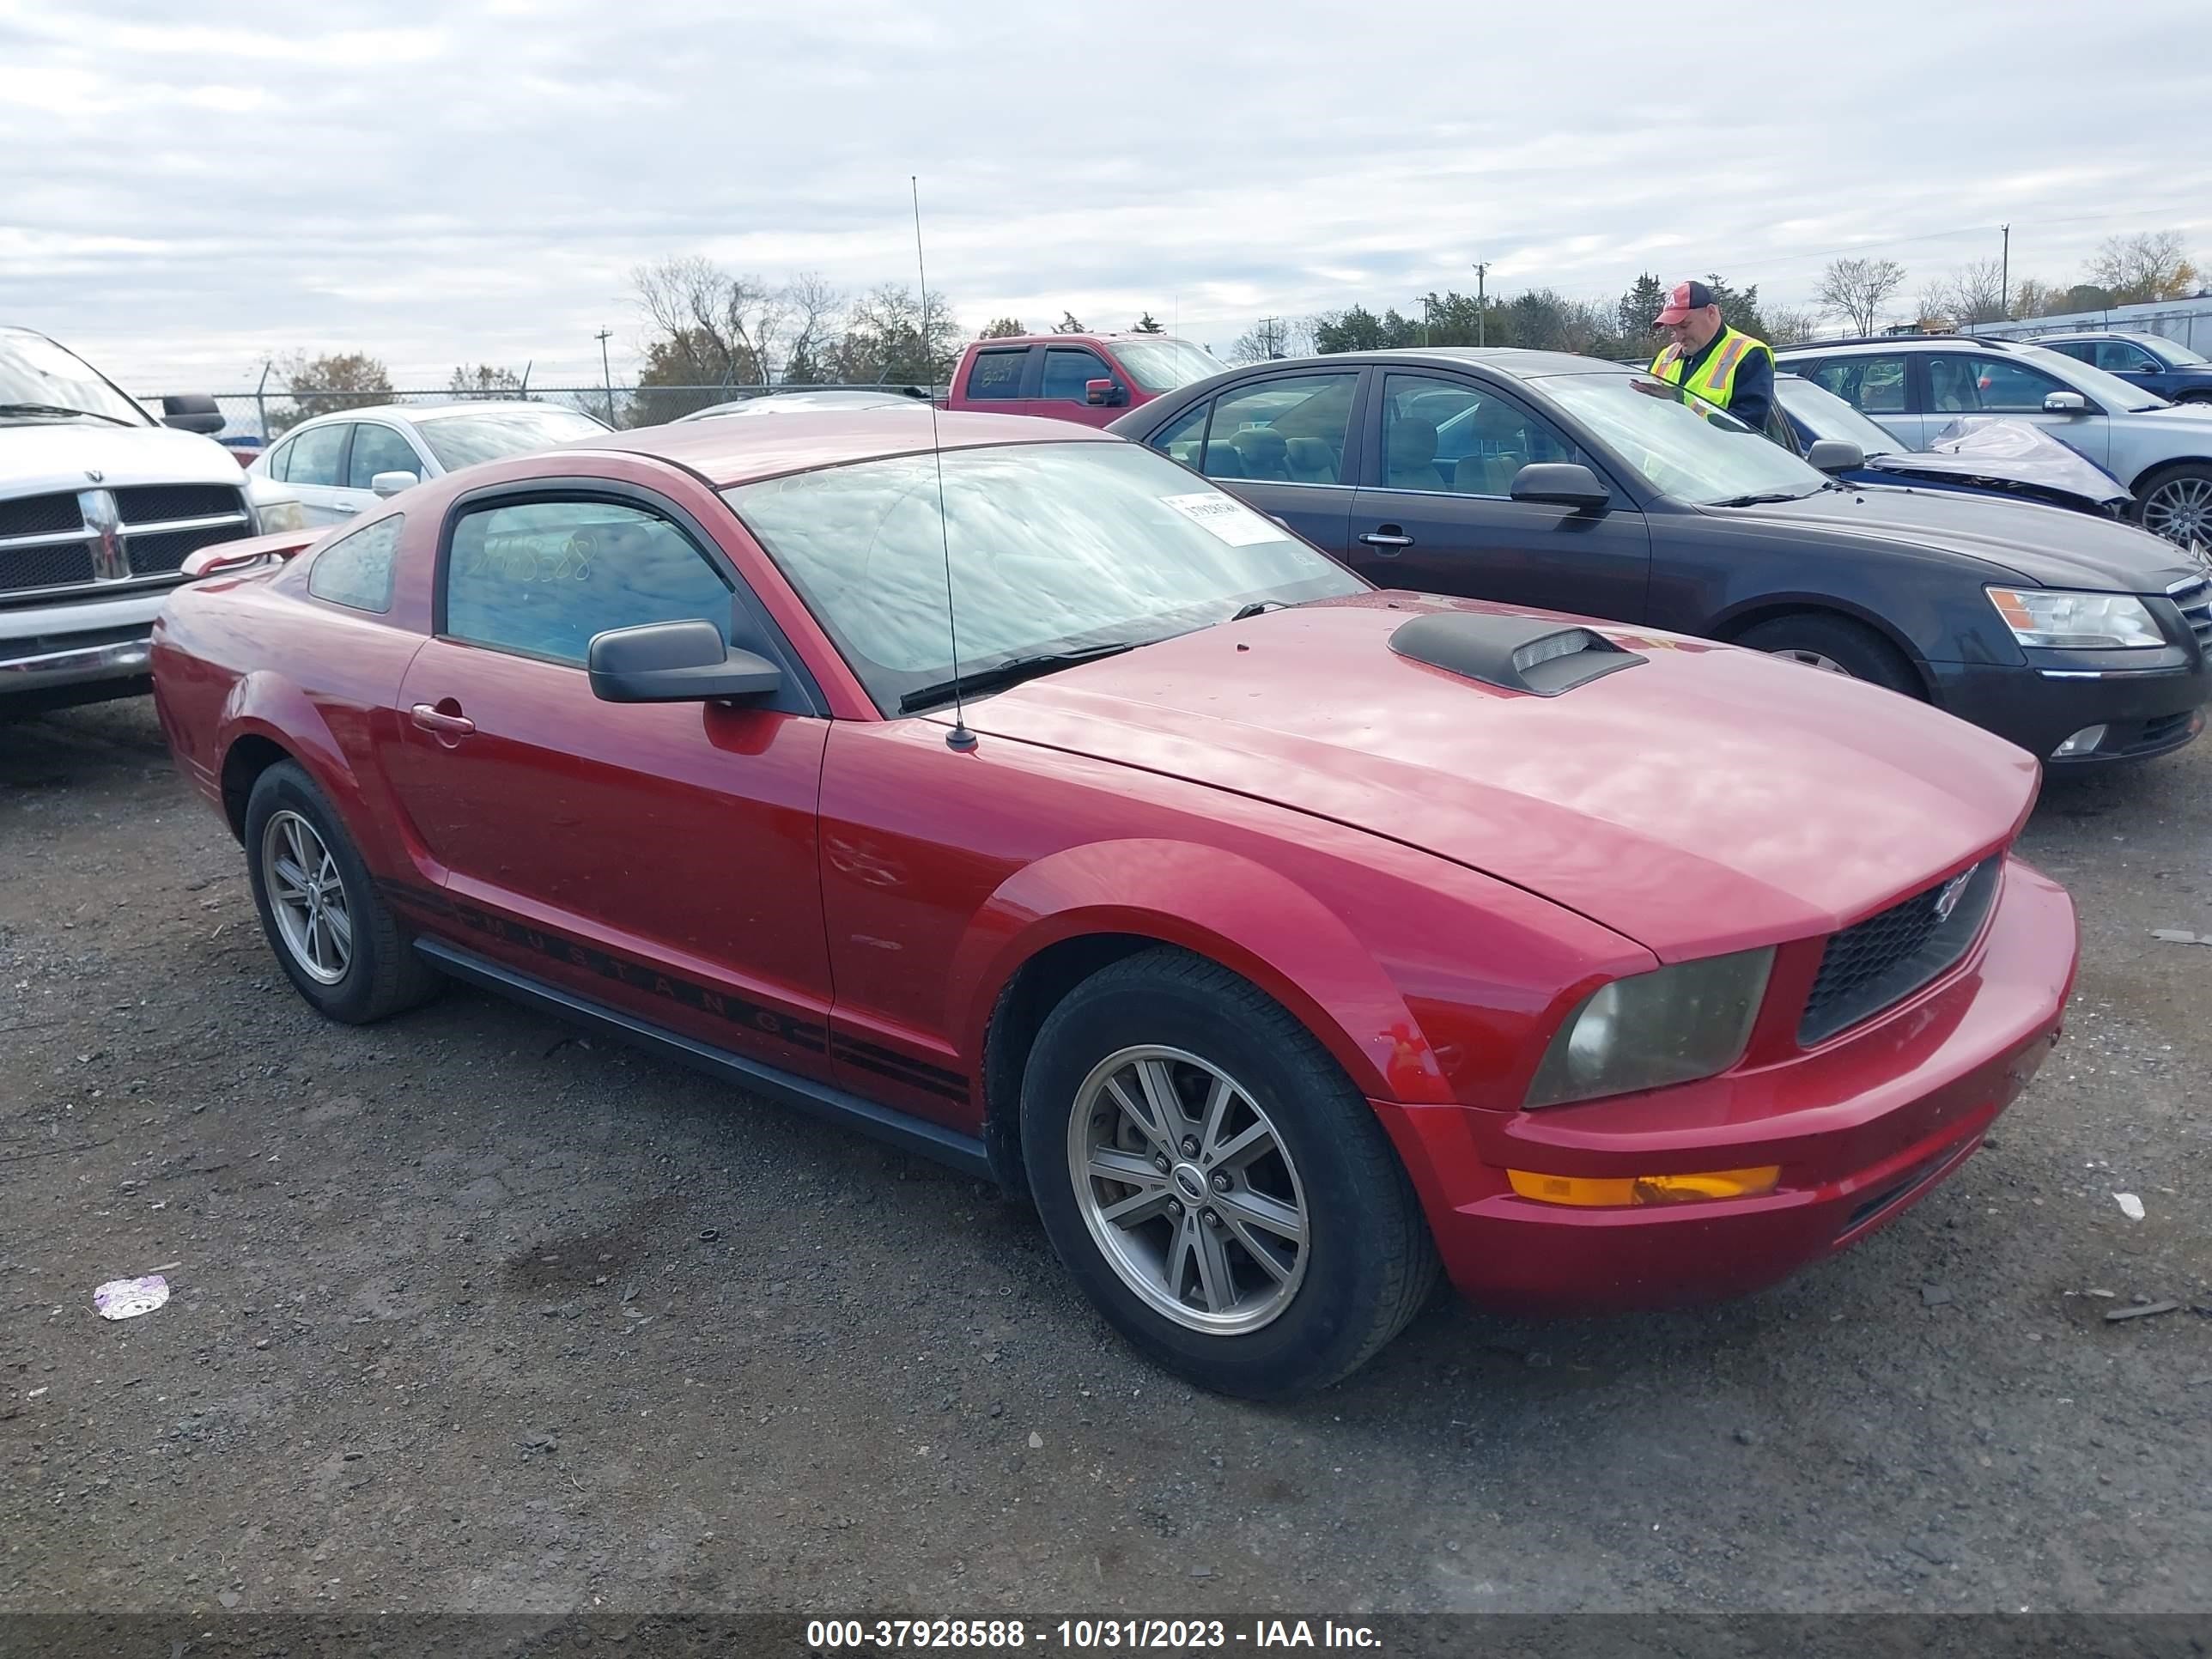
{"x": 226, "y": 556}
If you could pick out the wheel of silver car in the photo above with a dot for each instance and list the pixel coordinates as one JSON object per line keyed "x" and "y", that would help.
{"x": 1187, "y": 1189}
{"x": 307, "y": 897}
{"x": 2178, "y": 506}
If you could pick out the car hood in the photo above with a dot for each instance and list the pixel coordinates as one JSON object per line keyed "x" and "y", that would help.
{"x": 2046, "y": 546}
{"x": 1978, "y": 449}
{"x": 49, "y": 457}
{"x": 1706, "y": 800}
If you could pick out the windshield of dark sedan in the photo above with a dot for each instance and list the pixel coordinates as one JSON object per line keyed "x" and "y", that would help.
{"x": 1163, "y": 365}
{"x": 1683, "y": 446}
{"x": 1054, "y": 547}
{"x": 459, "y": 441}
{"x": 2109, "y": 390}
{"x": 35, "y": 370}
{"x": 1827, "y": 415}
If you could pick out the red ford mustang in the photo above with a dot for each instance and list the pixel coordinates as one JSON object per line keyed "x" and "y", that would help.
{"x": 1283, "y": 939}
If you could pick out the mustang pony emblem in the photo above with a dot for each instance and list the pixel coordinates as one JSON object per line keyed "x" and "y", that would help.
{"x": 1947, "y": 901}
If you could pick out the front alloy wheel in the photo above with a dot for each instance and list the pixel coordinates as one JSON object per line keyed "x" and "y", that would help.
{"x": 2179, "y": 508}
{"x": 1187, "y": 1189}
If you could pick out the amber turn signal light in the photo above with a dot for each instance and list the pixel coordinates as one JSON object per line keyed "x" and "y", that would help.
{"x": 1616, "y": 1192}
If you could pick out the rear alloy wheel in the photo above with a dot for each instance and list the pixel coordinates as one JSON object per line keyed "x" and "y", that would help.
{"x": 336, "y": 939}
{"x": 1835, "y": 645}
{"x": 1217, "y": 1186}
{"x": 2177, "y": 504}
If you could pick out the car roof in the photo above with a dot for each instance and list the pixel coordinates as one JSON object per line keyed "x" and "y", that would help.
{"x": 1901, "y": 342}
{"x": 1515, "y": 362}
{"x": 727, "y": 452}
{"x": 431, "y": 411}
{"x": 1093, "y": 335}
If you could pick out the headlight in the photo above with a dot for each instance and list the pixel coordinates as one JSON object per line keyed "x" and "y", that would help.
{"x": 1671, "y": 1025}
{"x": 2075, "y": 621}
{"x": 276, "y": 516}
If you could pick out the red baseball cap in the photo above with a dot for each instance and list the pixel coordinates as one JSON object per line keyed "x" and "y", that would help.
{"x": 1686, "y": 298}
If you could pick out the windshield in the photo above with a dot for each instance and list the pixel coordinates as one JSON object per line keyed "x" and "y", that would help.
{"x": 35, "y": 370}
{"x": 1054, "y": 547}
{"x": 459, "y": 441}
{"x": 1163, "y": 365}
{"x": 1683, "y": 446}
{"x": 2109, "y": 390}
{"x": 1827, "y": 415}
{"x": 2175, "y": 353}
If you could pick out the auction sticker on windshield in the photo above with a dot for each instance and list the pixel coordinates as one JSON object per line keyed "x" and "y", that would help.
{"x": 1229, "y": 519}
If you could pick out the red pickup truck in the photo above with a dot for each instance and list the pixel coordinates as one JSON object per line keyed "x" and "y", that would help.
{"x": 1091, "y": 378}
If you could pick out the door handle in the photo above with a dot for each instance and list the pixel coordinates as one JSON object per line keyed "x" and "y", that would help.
{"x": 445, "y": 726}
{"x": 1387, "y": 538}
{"x": 344, "y": 507}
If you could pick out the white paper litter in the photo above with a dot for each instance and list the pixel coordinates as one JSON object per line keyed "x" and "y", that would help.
{"x": 2131, "y": 1206}
{"x": 126, "y": 1298}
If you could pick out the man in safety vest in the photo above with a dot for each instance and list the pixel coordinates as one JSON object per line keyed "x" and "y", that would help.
{"x": 1714, "y": 360}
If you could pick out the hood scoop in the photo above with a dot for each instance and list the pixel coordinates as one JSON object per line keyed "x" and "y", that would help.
{"x": 1515, "y": 654}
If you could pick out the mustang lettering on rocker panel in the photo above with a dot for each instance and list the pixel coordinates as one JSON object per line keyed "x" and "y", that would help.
{"x": 806, "y": 1034}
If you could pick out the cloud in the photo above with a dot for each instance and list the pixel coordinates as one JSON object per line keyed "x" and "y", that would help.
{"x": 182, "y": 198}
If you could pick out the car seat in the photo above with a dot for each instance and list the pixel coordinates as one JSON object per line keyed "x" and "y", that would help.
{"x": 1410, "y": 462}
{"x": 1222, "y": 460}
{"x": 1310, "y": 461}
{"x": 1501, "y": 430}
{"x": 1265, "y": 454}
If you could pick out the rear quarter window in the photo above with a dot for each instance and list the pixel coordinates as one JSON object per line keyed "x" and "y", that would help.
{"x": 357, "y": 569}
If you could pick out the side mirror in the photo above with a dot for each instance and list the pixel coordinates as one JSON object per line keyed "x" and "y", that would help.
{"x": 1107, "y": 394}
{"x": 674, "y": 662}
{"x": 193, "y": 411}
{"x": 1561, "y": 483}
{"x": 391, "y": 483}
{"x": 1835, "y": 455}
{"x": 2065, "y": 402}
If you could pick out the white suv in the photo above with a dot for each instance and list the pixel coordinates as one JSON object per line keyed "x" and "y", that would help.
{"x": 1916, "y": 385}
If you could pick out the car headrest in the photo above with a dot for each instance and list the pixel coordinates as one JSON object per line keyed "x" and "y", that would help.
{"x": 1412, "y": 441}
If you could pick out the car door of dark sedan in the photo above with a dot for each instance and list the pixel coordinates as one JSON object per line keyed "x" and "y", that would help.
{"x": 1282, "y": 442}
{"x": 1433, "y": 512}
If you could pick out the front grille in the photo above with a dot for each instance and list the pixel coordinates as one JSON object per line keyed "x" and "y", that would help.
{"x": 40, "y": 515}
{"x": 2195, "y": 598}
{"x": 1888, "y": 956}
{"x": 162, "y": 554}
{"x": 159, "y": 503}
{"x": 59, "y": 564}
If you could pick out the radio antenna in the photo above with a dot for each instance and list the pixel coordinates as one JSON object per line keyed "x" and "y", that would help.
{"x": 959, "y": 737}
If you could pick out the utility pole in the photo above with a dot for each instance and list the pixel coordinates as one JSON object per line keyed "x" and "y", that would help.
{"x": 1482, "y": 333}
{"x": 606, "y": 374}
{"x": 2004, "y": 269}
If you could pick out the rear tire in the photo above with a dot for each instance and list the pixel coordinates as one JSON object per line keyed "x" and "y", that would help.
{"x": 334, "y": 936}
{"x": 1266, "y": 1241}
{"x": 2176, "y": 502}
{"x": 1838, "y": 645}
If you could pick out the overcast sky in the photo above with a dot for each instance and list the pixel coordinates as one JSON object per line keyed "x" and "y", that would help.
{"x": 184, "y": 191}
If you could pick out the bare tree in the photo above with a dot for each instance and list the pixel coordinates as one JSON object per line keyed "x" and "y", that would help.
{"x": 1974, "y": 293}
{"x": 2152, "y": 265}
{"x": 817, "y": 317}
{"x": 1858, "y": 289}
{"x": 734, "y": 323}
{"x": 2031, "y": 298}
{"x": 1788, "y": 327}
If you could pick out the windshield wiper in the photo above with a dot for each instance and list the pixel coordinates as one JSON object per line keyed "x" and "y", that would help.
{"x": 1012, "y": 671}
{"x": 1258, "y": 608}
{"x": 61, "y": 408}
{"x": 1761, "y": 500}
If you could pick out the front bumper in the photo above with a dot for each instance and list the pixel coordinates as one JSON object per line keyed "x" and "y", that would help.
{"x": 77, "y": 651}
{"x": 1862, "y": 1126}
{"x": 2145, "y": 713}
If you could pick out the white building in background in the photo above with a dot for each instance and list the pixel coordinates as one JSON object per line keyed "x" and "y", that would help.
{"x": 2188, "y": 321}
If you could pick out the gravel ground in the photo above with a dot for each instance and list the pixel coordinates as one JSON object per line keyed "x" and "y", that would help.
{"x": 472, "y": 1315}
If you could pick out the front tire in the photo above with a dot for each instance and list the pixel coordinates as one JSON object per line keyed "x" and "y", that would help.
{"x": 1219, "y": 1189}
{"x": 2176, "y": 502}
{"x": 1838, "y": 645}
{"x": 334, "y": 936}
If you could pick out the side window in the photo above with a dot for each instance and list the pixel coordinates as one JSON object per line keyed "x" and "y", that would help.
{"x": 541, "y": 578}
{"x": 1290, "y": 429}
{"x": 1874, "y": 385}
{"x": 1068, "y": 369}
{"x": 2080, "y": 350}
{"x": 356, "y": 570}
{"x": 997, "y": 373}
{"x": 1183, "y": 438}
{"x": 315, "y": 456}
{"x": 2125, "y": 357}
{"x": 1957, "y": 383}
{"x": 280, "y": 458}
{"x": 379, "y": 449}
{"x": 1456, "y": 436}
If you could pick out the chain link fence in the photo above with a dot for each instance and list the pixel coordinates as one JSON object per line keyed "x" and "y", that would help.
{"x": 263, "y": 416}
